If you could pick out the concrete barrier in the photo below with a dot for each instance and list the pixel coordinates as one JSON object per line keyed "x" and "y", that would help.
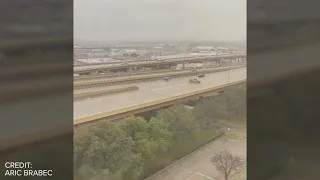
{"x": 104, "y": 92}
{"x": 121, "y": 74}
{"x": 150, "y": 77}
{"x": 121, "y": 113}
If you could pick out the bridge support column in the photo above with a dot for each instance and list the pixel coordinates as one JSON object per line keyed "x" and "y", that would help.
{"x": 183, "y": 65}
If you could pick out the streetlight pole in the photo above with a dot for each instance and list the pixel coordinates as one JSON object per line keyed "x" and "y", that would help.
{"x": 229, "y": 71}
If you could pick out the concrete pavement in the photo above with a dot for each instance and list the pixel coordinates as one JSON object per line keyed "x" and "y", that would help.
{"x": 152, "y": 91}
{"x": 198, "y": 166}
{"x": 150, "y": 84}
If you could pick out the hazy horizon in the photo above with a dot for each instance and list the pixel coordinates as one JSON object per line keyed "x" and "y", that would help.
{"x": 114, "y": 21}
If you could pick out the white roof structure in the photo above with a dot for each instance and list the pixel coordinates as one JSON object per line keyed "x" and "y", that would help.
{"x": 97, "y": 60}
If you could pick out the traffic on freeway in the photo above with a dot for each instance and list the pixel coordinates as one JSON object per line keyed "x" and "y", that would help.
{"x": 150, "y": 77}
{"x": 154, "y": 90}
{"x": 106, "y": 66}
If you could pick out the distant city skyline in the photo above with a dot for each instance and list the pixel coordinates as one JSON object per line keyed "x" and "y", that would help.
{"x": 114, "y": 21}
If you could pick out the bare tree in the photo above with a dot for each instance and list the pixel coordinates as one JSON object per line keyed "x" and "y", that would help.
{"x": 226, "y": 163}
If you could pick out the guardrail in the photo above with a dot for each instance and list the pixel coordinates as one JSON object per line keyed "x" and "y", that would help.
{"x": 120, "y": 113}
{"x": 149, "y": 78}
{"x": 81, "y": 96}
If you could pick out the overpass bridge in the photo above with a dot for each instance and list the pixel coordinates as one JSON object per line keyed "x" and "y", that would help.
{"x": 153, "y": 63}
{"x": 139, "y": 73}
{"x": 153, "y": 95}
{"x": 86, "y": 84}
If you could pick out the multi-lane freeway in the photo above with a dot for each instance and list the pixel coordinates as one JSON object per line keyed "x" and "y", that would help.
{"x": 153, "y": 91}
{"x": 88, "y": 83}
{"x": 79, "y": 69}
{"x": 139, "y": 73}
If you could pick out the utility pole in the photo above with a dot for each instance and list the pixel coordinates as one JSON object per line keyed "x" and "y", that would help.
{"x": 229, "y": 71}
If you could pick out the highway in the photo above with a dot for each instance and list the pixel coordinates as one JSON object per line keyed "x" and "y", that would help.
{"x": 144, "y": 85}
{"x": 136, "y": 73}
{"x": 88, "y": 84}
{"x": 152, "y": 91}
{"x": 148, "y": 62}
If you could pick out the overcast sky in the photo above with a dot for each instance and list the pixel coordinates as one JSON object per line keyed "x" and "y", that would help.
{"x": 160, "y": 20}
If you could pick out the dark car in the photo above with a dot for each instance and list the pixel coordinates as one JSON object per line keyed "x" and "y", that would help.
{"x": 201, "y": 75}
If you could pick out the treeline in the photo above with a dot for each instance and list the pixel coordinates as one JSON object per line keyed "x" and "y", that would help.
{"x": 138, "y": 147}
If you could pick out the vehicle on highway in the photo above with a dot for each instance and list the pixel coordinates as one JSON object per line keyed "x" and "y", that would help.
{"x": 200, "y": 75}
{"x": 124, "y": 63}
{"x": 166, "y": 78}
{"x": 194, "y": 81}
